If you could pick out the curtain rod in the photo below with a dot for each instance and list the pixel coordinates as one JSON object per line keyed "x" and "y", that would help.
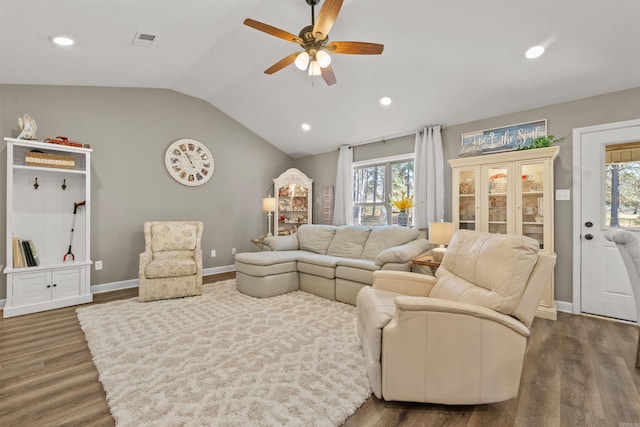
{"x": 384, "y": 140}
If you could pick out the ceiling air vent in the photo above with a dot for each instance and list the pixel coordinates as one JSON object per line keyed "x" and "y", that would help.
{"x": 143, "y": 39}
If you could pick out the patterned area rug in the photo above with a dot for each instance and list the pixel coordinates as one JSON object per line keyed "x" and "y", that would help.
{"x": 227, "y": 359}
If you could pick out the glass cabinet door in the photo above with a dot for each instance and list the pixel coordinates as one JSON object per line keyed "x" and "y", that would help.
{"x": 532, "y": 202}
{"x": 293, "y": 206}
{"x": 294, "y": 202}
{"x": 498, "y": 202}
{"x": 466, "y": 181}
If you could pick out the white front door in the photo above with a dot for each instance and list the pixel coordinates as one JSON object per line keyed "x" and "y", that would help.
{"x": 605, "y": 287}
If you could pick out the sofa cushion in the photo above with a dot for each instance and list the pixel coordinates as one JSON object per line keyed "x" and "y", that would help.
{"x": 318, "y": 265}
{"x": 349, "y": 242}
{"x": 315, "y": 237}
{"x": 385, "y": 237}
{"x": 363, "y": 264}
{"x": 170, "y": 268}
{"x": 268, "y": 257}
{"x": 266, "y": 270}
{"x": 498, "y": 281}
{"x": 282, "y": 243}
{"x": 354, "y": 274}
{"x": 169, "y": 255}
{"x": 173, "y": 236}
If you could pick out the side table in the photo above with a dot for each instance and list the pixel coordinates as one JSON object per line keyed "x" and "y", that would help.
{"x": 424, "y": 264}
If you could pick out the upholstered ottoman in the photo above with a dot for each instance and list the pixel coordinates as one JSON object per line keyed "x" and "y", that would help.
{"x": 267, "y": 274}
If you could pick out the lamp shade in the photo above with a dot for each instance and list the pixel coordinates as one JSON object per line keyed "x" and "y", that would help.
{"x": 323, "y": 59}
{"x": 269, "y": 204}
{"x": 302, "y": 60}
{"x": 440, "y": 233}
{"x": 314, "y": 68}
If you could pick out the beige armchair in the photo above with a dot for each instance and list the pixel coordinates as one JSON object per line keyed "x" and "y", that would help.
{"x": 171, "y": 265}
{"x": 459, "y": 337}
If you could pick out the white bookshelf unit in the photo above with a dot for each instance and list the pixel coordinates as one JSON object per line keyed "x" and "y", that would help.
{"x": 41, "y": 200}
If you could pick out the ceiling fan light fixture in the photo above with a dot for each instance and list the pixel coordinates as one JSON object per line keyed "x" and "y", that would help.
{"x": 323, "y": 58}
{"x": 302, "y": 61}
{"x": 314, "y": 69}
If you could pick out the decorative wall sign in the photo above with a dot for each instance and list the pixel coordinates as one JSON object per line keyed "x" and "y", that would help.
{"x": 502, "y": 139}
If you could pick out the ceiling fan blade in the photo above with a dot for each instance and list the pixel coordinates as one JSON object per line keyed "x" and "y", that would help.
{"x": 355, "y": 48}
{"x": 328, "y": 76}
{"x": 287, "y": 60}
{"x": 277, "y": 32}
{"x": 326, "y": 18}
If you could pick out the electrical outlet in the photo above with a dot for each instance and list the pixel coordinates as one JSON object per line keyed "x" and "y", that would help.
{"x": 213, "y": 253}
{"x": 233, "y": 251}
{"x": 98, "y": 265}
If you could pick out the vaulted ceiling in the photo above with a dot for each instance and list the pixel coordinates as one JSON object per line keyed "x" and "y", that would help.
{"x": 444, "y": 61}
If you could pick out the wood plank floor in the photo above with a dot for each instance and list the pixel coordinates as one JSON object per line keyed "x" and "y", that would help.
{"x": 580, "y": 371}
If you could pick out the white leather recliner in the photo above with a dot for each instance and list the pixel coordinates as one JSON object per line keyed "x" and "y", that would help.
{"x": 459, "y": 337}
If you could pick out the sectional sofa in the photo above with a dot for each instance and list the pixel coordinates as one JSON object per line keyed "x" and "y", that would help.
{"x": 334, "y": 262}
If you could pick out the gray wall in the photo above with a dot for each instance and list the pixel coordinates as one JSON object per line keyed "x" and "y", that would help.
{"x": 561, "y": 120}
{"x": 129, "y": 131}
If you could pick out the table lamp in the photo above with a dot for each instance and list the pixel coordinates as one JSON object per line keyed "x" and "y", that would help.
{"x": 440, "y": 233}
{"x": 269, "y": 205}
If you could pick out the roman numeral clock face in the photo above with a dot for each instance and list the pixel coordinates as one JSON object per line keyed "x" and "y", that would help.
{"x": 189, "y": 162}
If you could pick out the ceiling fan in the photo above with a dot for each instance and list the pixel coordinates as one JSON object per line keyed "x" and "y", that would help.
{"x": 314, "y": 39}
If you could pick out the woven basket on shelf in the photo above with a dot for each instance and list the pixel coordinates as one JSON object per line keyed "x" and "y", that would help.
{"x": 47, "y": 160}
{"x": 499, "y": 185}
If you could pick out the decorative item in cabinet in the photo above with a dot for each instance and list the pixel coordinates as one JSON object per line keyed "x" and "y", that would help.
{"x": 498, "y": 183}
{"x": 467, "y": 186}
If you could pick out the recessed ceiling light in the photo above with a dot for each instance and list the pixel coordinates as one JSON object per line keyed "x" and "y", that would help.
{"x": 534, "y": 52}
{"x": 385, "y": 100}
{"x": 306, "y": 127}
{"x": 62, "y": 40}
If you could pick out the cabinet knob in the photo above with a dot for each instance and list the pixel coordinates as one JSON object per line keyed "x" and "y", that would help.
{"x": 54, "y": 285}
{"x": 48, "y": 286}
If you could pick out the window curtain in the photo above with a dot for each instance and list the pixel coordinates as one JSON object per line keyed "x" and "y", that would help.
{"x": 343, "y": 198}
{"x": 428, "y": 173}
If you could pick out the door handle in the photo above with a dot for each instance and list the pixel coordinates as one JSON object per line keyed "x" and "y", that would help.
{"x": 588, "y": 224}
{"x": 588, "y": 236}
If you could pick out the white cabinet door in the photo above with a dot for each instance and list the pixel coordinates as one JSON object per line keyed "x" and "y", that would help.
{"x": 31, "y": 288}
{"x": 66, "y": 283}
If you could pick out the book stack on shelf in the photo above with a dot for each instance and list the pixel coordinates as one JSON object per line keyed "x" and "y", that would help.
{"x": 24, "y": 253}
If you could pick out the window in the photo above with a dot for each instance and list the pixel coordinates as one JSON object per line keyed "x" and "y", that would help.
{"x": 373, "y": 184}
{"x": 623, "y": 185}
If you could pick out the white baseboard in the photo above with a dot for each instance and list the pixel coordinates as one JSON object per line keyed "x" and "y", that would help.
{"x": 565, "y": 307}
{"x": 133, "y": 283}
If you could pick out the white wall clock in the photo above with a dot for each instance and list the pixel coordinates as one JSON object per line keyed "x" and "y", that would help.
{"x": 189, "y": 162}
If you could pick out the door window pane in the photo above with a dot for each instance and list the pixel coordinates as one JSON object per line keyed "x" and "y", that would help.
{"x": 622, "y": 202}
